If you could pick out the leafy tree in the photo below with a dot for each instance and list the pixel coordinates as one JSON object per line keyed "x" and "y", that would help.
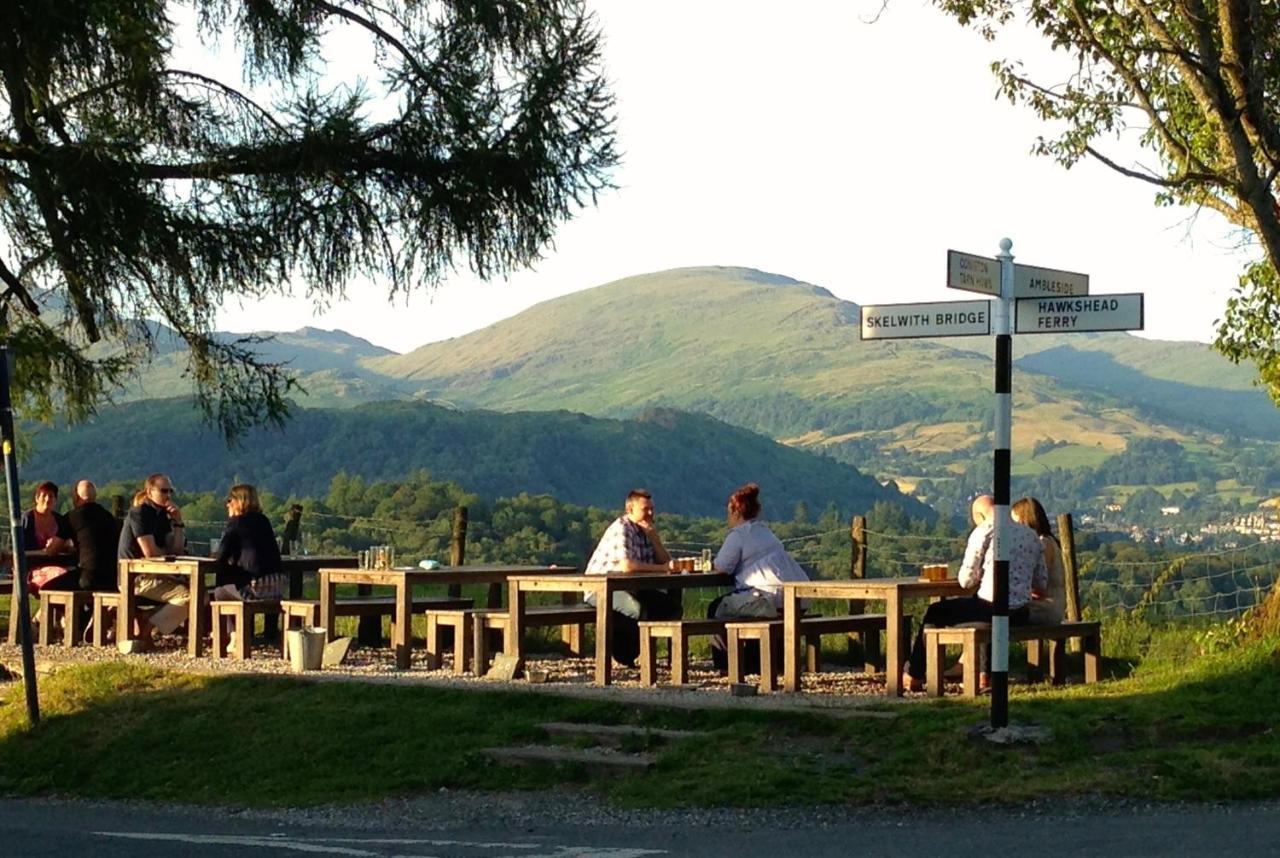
{"x": 1198, "y": 80}
{"x": 133, "y": 186}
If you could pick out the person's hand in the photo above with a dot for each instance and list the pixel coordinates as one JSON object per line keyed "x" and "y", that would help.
{"x": 175, "y": 513}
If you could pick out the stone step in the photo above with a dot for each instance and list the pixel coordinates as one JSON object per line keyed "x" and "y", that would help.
{"x": 600, "y": 762}
{"x": 615, "y": 734}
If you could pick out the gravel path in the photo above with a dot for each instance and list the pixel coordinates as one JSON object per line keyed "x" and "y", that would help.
{"x": 839, "y": 691}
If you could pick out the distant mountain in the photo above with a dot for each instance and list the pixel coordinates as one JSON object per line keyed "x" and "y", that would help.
{"x": 691, "y": 462}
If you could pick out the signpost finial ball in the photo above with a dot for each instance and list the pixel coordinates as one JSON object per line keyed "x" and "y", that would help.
{"x": 1006, "y": 244}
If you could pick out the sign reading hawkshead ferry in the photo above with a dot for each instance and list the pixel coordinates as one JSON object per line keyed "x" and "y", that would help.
{"x": 1087, "y": 313}
{"x": 941, "y": 319}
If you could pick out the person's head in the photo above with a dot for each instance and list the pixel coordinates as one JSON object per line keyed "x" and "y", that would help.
{"x": 46, "y": 497}
{"x": 1028, "y": 511}
{"x": 983, "y": 508}
{"x": 639, "y": 505}
{"x": 243, "y": 498}
{"x": 86, "y": 492}
{"x": 744, "y": 503}
{"x": 159, "y": 489}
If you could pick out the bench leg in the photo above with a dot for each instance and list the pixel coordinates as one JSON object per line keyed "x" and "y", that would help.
{"x": 462, "y": 635}
{"x": 46, "y": 622}
{"x": 571, "y": 636}
{"x": 1092, "y": 658}
{"x": 433, "y": 642}
{"x": 734, "y": 647}
{"x": 648, "y": 671}
{"x": 970, "y": 659}
{"x": 243, "y": 620}
{"x": 680, "y": 657}
{"x": 219, "y": 637}
{"x": 1056, "y": 651}
{"x": 871, "y": 651}
{"x": 933, "y": 666}
{"x": 1035, "y": 659}
{"x": 768, "y": 667}
{"x": 813, "y": 653}
{"x": 479, "y": 647}
{"x": 100, "y": 625}
{"x": 73, "y": 626}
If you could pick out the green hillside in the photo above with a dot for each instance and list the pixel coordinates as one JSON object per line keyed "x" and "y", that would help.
{"x": 691, "y": 462}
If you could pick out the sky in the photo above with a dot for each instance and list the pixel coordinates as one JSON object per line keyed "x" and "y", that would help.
{"x": 808, "y": 140}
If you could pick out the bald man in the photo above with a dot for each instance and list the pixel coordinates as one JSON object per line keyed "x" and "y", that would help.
{"x": 977, "y": 572}
{"x": 96, "y": 532}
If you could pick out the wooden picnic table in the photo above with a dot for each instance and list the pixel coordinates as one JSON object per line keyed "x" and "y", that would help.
{"x": 892, "y": 591}
{"x": 196, "y": 571}
{"x": 404, "y": 579}
{"x": 34, "y": 559}
{"x": 602, "y": 587}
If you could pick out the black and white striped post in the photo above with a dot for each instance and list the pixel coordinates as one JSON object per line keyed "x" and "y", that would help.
{"x": 1002, "y": 320}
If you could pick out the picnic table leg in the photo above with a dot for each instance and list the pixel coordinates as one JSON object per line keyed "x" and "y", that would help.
{"x": 195, "y": 613}
{"x": 516, "y": 600}
{"x": 328, "y": 595}
{"x": 790, "y": 640}
{"x": 402, "y": 635}
{"x": 128, "y": 604}
{"x": 893, "y": 643}
{"x": 604, "y": 608}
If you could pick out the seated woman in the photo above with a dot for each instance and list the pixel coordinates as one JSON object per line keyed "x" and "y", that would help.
{"x": 46, "y": 529}
{"x": 248, "y": 556}
{"x": 1049, "y": 605}
{"x": 759, "y": 565}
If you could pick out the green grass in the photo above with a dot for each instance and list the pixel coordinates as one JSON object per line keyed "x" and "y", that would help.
{"x": 1180, "y": 726}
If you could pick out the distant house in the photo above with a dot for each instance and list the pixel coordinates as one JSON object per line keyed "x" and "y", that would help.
{"x": 1170, "y": 510}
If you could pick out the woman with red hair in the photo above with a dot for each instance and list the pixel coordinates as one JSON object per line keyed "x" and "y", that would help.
{"x": 759, "y": 565}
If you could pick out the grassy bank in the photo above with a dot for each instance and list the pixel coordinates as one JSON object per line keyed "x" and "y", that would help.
{"x": 1171, "y": 729}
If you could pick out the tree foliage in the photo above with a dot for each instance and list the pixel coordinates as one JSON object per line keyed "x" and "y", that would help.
{"x": 133, "y": 186}
{"x": 1199, "y": 81}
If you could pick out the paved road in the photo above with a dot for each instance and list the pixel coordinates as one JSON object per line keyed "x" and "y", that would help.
{"x": 41, "y": 828}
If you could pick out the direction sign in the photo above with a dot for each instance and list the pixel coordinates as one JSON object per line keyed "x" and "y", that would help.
{"x": 1030, "y": 281}
{"x": 1081, "y": 313}
{"x": 942, "y": 319}
{"x": 973, "y": 273}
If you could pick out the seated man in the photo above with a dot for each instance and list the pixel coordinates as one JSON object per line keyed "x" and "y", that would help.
{"x": 1026, "y": 572}
{"x": 632, "y": 544}
{"x": 154, "y": 528}
{"x": 97, "y": 535}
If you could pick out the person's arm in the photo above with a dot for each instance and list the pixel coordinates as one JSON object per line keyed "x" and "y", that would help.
{"x": 975, "y": 551}
{"x": 1040, "y": 573}
{"x": 62, "y": 542}
{"x": 147, "y": 543}
{"x": 730, "y": 554}
{"x": 631, "y": 564}
{"x": 177, "y": 540}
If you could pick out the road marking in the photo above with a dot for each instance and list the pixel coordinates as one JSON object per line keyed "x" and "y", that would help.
{"x": 350, "y": 845}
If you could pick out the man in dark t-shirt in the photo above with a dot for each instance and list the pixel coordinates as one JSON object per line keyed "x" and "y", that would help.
{"x": 97, "y": 536}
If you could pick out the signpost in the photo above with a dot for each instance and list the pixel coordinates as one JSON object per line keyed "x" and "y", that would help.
{"x": 1047, "y": 301}
{"x": 942, "y": 319}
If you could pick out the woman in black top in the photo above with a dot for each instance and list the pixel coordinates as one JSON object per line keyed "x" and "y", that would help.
{"x": 249, "y": 558}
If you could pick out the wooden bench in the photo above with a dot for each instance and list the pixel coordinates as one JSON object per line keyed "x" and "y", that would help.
{"x": 970, "y": 636}
{"x": 240, "y": 614}
{"x": 307, "y": 611}
{"x": 769, "y": 634}
{"x": 677, "y": 634}
{"x": 104, "y": 604}
{"x": 472, "y": 627}
{"x": 68, "y": 605}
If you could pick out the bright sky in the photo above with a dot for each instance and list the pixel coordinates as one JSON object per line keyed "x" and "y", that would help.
{"x": 802, "y": 140}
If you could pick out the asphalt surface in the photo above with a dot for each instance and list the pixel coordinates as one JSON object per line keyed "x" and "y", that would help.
{"x": 491, "y": 830}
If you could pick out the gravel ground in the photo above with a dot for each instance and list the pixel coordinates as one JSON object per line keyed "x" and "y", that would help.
{"x": 837, "y": 691}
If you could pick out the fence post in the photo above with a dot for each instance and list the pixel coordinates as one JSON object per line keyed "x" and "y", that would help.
{"x": 458, "y": 546}
{"x": 1071, "y": 575}
{"x": 117, "y": 506}
{"x": 292, "y": 529}
{"x": 857, "y": 557}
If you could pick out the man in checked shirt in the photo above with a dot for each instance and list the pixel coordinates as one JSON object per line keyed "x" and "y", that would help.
{"x": 632, "y": 544}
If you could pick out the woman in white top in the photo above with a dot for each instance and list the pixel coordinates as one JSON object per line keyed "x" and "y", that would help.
{"x": 759, "y": 565}
{"x": 1049, "y": 606}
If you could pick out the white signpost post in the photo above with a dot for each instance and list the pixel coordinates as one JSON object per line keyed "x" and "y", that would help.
{"x": 1047, "y": 301}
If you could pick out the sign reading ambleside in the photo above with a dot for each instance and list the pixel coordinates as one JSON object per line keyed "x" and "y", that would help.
{"x": 1079, "y": 313}
{"x": 945, "y": 319}
{"x": 1030, "y": 281}
{"x": 973, "y": 273}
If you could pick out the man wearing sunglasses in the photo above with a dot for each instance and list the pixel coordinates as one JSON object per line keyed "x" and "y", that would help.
{"x": 154, "y": 528}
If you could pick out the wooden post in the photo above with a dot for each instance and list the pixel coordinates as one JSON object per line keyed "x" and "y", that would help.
{"x": 458, "y": 546}
{"x": 1070, "y": 572}
{"x": 292, "y": 528}
{"x": 117, "y": 506}
{"x": 857, "y": 571}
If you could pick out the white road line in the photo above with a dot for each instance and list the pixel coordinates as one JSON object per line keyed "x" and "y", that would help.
{"x": 334, "y": 845}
